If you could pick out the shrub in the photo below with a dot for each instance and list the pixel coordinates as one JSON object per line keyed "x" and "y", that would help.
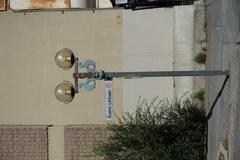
{"x": 157, "y": 131}
{"x": 201, "y": 57}
{"x": 199, "y": 95}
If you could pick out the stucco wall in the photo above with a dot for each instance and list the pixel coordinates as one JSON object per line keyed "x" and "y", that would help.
{"x": 199, "y": 41}
{"x": 117, "y": 40}
{"x": 28, "y": 44}
{"x": 158, "y": 40}
{"x": 183, "y": 48}
{"x": 147, "y": 46}
{"x": 148, "y": 40}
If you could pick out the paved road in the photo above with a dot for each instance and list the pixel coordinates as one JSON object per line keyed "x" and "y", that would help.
{"x": 224, "y": 53}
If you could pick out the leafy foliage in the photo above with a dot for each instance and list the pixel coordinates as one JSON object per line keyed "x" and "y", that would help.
{"x": 199, "y": 95}
{"x": 201, "y": 57}
{"x": 159, "y": 130}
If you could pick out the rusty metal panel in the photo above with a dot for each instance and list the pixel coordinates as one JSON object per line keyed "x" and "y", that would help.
{"x": 39, "y": 4}
{"x": 2, "y": 5}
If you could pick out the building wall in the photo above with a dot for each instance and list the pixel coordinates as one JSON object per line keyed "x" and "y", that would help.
{"x": 28, "y": 44}
{"x": 118, "y": 40}
{"x": 158, "y": 40}
{"x": 147, "y": 46}
{"x": 19, "y": 142}
{"x": 183, "y": 49}
{"x": 200, "y": 40}
{"x": 148, "y": 40}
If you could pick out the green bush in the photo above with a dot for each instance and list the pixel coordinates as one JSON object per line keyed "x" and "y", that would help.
{"x": 199, "y": 95}
{"x": 157, "y": 131}
{"x": 201, "y": 57}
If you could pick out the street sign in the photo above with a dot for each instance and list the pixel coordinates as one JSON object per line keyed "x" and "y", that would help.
{"x": 108, "y": 99}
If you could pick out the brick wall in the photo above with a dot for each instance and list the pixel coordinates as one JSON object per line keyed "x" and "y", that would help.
{"x": 80, "y": 140}
{"x": 23, "y": 142}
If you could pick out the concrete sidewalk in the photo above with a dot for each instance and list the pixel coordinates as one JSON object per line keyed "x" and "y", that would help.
{"x": 223, "y": 18}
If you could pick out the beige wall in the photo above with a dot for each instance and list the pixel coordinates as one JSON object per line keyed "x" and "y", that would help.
{"x": 199, "y": 35}
{"x": 148, "y": 40}
{"x": 28, "y": 44}
{"x": 117, "y": 40}
{"x": 147, "y": 46}
{"x": 183, "y": 48}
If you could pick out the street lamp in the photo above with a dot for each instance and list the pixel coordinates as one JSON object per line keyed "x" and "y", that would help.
{"x": 65, "y": 92}
{"x": 65, "y": 59}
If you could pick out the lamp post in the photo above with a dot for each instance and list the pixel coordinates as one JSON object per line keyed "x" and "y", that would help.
{"x": 66, "y": 91}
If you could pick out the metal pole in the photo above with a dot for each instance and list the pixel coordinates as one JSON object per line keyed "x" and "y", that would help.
{"x": 130, "y": 75}
{"x": 165, "y": 74}
{"x": 75, "y": 78}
